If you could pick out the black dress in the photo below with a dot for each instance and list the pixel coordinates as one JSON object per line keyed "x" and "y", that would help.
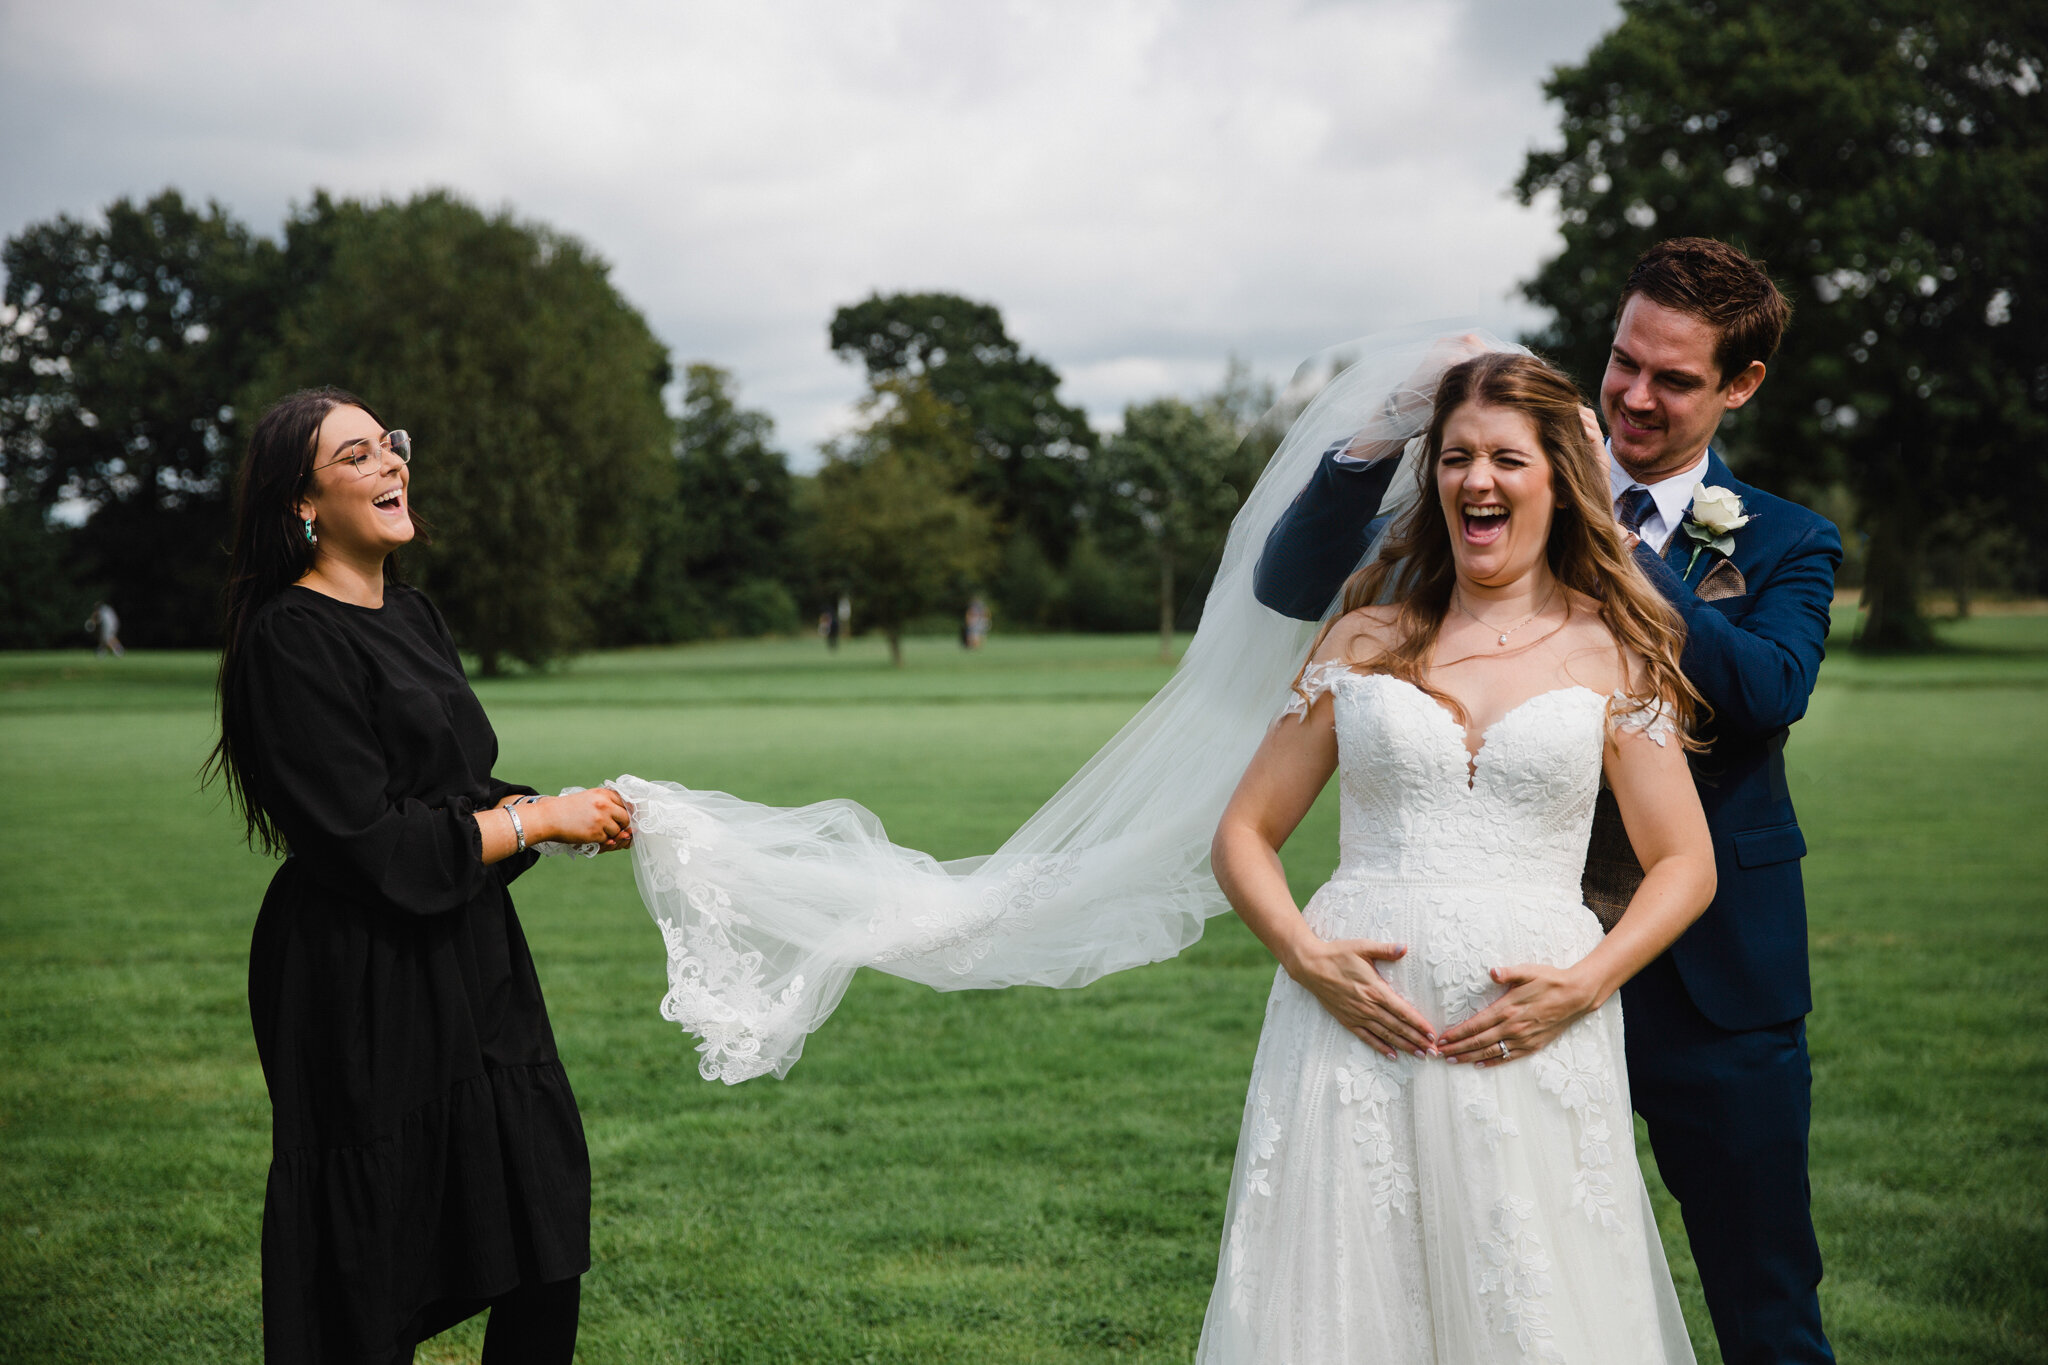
{"x": 425, "y": 1144}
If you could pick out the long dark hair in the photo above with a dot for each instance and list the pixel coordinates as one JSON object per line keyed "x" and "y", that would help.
{"x": 270, "y": 554}
{"x": 1418, "y": 568}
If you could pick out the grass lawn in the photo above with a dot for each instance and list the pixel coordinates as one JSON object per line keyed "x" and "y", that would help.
{"x": 1026, "y": 1175}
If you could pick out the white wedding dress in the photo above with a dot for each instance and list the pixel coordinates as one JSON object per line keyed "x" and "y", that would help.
{"x": 1412, "y": 1210}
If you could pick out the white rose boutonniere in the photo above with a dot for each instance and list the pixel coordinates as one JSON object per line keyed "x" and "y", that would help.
{"x": 1713, "y": 519}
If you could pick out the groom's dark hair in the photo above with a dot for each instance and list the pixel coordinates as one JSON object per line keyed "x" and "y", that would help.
{"x": 1720, "y": 286}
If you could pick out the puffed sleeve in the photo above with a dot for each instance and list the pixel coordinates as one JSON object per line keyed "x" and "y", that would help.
{"x": 324, "y": 776}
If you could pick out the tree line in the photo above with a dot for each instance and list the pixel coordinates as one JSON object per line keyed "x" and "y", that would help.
{"x": 1888, "y": 162}
{"x": 566, "y": 506}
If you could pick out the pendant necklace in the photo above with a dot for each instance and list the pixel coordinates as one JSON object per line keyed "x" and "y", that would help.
{"x": 1458, "y": 595}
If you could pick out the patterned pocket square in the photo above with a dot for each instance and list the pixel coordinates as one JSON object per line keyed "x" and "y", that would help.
{"x": 1722, "y": 581}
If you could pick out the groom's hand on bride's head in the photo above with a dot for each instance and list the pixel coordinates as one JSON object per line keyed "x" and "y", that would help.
{"x": 1447, "y": 353}
{"x": 1410, "y": 404}
{"x": 1460, "y": 348}
{"x": 1590, "y": 420}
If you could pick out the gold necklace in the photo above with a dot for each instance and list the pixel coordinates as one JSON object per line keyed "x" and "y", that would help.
{"x": 1458, "y": 597}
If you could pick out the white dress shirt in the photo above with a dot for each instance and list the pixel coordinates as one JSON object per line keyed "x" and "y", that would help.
{"x": 1670, "y": 497}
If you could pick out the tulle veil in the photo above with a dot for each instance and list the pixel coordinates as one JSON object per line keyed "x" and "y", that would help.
{"x": 767, "y": 912}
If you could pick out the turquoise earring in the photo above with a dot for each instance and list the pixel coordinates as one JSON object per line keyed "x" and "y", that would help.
{"x": 311, "y": 539}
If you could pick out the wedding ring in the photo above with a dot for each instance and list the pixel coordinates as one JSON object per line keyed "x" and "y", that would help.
{"x": 1503, "y": 1045}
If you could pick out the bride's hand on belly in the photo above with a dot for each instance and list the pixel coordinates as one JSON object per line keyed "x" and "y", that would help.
{"x": 1539, "y": 1004}
{"x": 1344, "y": 976}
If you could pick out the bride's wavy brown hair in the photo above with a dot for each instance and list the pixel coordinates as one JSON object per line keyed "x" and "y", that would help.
{"x": 1416, "y": 568}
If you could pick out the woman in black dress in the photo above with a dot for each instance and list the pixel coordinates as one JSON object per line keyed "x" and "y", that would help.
{"x": 427, "y": 1158}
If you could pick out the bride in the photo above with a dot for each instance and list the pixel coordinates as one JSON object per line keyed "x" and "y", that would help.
{"x": 1436, "y": 1159}
{"x": 1436, "y": 1162}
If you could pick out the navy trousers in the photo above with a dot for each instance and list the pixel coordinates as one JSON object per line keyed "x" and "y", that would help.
{"x": 1728, "y": 1113}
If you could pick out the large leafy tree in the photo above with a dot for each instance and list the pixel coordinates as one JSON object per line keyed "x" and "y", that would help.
{"x": 531, "y": 388}
{"x": 1889, "y": 161}
{"x": 41, "y": 605}
{"x": 890, "y": 527}
{"x": 718, "y": 559}
{"x": 1027, "y": 446}
{"x": 1170, "y": 481}
{"x": 123, "y": 346}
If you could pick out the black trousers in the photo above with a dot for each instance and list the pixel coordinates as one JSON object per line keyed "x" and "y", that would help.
{"x": 1728, "y": 1113}
{"x": 532, "y": 1325}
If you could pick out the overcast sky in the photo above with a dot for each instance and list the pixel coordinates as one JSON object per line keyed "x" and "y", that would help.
{"x": 1142, "y": 186}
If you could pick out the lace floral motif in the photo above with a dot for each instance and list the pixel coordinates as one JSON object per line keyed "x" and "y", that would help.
{"x": 1265, "y": 1140}
{"x": 1514, "y": 1275}
{"x": 715, "y": 990}
{"x": 1316, "y": 679}
{"x": 1460, "y": 954}
{"x": 1651, "y": 719}
{"x": 1485, "y": 1110}
{"x": 1263, "y": 1137}
{"x": 744, "y": 1011}
{"x": 1374, "y": 1084}
{"x": 1419, "y": 805}
{"x": 1574, "y": 1069}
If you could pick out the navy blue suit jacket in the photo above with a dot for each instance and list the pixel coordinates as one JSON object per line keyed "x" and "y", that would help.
{"x": 1754, "y": 656}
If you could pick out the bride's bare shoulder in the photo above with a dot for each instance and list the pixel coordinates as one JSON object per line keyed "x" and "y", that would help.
{"x": 1596, "y": 657}
{"x": 1359, "y": 635}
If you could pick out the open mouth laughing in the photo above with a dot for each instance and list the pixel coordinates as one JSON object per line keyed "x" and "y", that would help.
{"x": 1484, "y": 522}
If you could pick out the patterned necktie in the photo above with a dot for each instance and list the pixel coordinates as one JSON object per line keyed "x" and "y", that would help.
{"x": 1633, "y": 508}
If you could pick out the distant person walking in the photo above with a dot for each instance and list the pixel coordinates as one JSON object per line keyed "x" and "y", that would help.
{"x": 974, "y": 628}
{"x": 105, "y": 628}
{"x": 427, "y": 1159}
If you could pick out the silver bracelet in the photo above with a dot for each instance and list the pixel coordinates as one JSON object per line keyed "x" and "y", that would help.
{"x": 518, "y": 830}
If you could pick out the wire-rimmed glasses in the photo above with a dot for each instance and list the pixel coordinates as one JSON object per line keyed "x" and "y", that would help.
{"x": 366, "y": 458}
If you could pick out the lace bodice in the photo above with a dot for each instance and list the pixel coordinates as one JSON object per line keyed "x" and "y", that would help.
{"x": 1415, "y": 805}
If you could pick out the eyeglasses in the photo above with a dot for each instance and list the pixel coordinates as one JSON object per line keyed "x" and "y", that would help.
{"x": 366, "y": 458}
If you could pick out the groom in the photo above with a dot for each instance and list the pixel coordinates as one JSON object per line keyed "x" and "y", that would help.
{"x": 1716, "y": 1029}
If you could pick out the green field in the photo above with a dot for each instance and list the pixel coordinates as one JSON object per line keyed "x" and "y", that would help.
{"x": 1018, "y": 1176}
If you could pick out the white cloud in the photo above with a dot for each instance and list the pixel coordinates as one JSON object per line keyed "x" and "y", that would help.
{"x": 1142, "y": 186}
